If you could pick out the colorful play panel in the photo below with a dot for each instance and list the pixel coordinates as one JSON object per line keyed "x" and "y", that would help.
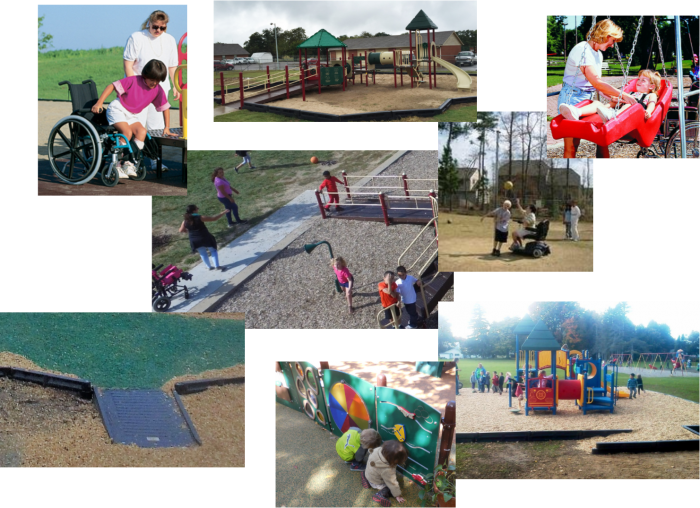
{"x": 347, "y": 408}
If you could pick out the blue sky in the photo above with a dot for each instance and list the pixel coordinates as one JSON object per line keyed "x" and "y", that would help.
{"x": 338, "y": 18}
{"x": 681, "y": 317}
{"x": 103, "y": 26}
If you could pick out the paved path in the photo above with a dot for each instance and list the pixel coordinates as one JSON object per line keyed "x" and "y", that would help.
{"x": 657, "y": 373}
{"x": 248, "y": 247}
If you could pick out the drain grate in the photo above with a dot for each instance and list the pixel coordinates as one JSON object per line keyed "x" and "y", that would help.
{"x": 146, "y": 418}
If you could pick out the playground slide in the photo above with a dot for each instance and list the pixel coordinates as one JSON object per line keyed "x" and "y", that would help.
{"x": 464, "y": 80}
{"x": 623, "y": 393}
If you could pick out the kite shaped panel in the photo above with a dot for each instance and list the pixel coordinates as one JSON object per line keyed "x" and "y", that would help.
{"x": 401, "y": 415}
{"x": 315, "y": 403}
{"x": 350, "y": 401}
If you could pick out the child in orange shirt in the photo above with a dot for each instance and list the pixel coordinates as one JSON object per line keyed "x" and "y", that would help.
{"x": 345, "y": 278}
{"x": 388, "y": 294}
{"x": 332, "y": 190}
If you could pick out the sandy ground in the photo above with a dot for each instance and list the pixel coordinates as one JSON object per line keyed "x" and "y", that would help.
{"x": 382, "y": 96}
{"x": 652, "y": 416}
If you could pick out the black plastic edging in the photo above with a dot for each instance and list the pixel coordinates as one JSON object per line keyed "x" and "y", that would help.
{"x": 200, "y": 385}
{"x": 695, "y": 429}
{"x": 81, "y": 386}
{"x": 534, "y": 435}
{"x": 187, "y": 418}
{"x": 647, "y": 446}
{"x": 358, "y": 117}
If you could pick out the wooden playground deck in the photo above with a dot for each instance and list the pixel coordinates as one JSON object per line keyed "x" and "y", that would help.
{"x": 410, "y": 212}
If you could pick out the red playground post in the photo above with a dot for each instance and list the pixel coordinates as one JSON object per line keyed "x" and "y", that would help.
{"x": 302, "y": 73}
{"x": 430, "y": 64}
{"x": 318, "y": 69}
{"x": 240, "y": 87}
{"x": 435, "y": 65}
{"x": 286, "y": 79}
{"x": 394, "y": 72}
{"x": 410, "y": 56}
{"x": 405, "y": 184}
{"x": 320, "y": 204}
{"x": 382, "y": 201}
{"x": 268, "y": 77}
{"x": 223, "y": 90}
{"x": 345, "y": 180}
{"x": 366, "y": 71}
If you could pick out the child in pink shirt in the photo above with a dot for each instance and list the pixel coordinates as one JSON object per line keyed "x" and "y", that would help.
{"x": 128, "y": 112}
{"x": 345, "y": 278}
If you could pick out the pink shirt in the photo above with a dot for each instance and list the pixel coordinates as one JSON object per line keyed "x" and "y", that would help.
{"x": 343, "y": 275}
{"x": 222, "y": 182}
{"x": 135, "y": 95}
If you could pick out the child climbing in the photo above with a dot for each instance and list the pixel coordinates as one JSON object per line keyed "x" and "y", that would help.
{"x": 381, "y": 472}
{"x": 648, "y": 83}
{"x": 355, "y": 447}
{"x": 388, "y": 294}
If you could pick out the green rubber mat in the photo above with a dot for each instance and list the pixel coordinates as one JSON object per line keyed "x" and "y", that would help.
{"x": 125, "y": 350}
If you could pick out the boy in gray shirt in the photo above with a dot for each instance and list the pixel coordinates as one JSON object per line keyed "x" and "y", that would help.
{"x": 501, "y": 220}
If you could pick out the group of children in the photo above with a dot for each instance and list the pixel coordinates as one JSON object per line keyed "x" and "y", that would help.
{"x": 484, "y": 382}
{"x": 635, "y": 385}
{"x": 394, "y": 289}
{"x": 376, "y": 462}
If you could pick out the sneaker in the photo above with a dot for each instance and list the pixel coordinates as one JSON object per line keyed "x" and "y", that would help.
{"x": 242, "y": 222}
{"x": 231, "y": 225}
{"x": 122, "y": 173}
{"x": 497, "y": 253}
{"x": 569, "y": 112}
{"x": 252, "y": 167}
{"x": 339, "y": 209}
{"x": 357, "y": 466}
{"x": 236, "y": 169}
{"x": 381, "y": 500}
{"x": 493, "y": 252}
{"x": 129, "y": 167}
{"x": 364, "y": 481}
{"x": 409, "y": 327}
{"x": 154, "y": 165}
{"x": 606, "y": 114}
{"x": 211, "y": 268}
{"x": 221, "y": 268}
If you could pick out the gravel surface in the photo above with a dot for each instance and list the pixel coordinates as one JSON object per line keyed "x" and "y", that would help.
{"x": 296, "y": 290}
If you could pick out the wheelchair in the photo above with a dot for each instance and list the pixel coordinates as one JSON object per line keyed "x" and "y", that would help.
{"x": 84, "y": 144}
{"x": 538, "y": 247}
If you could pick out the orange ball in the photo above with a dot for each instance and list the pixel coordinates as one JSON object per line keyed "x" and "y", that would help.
{"x": 314, "y": 160}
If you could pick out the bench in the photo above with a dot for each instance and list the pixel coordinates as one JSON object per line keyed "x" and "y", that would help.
{"x": 605, "y": 67}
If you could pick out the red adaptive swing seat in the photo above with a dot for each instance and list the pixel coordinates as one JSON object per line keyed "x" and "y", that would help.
{"x": 630, "y": 124}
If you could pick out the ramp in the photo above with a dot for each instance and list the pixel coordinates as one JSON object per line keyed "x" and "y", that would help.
{"x": 146, "y": 418}
{"x": 398, "y": 212}
{"x": 274, "y": 95}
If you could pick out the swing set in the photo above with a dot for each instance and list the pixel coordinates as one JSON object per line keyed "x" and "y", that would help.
{"x": 677, "y": 138}
{"x": 650, "y": 361}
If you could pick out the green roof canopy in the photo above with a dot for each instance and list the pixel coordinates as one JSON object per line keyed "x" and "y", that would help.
{"x": 525, "y": 326}
{"x": 540, "y": 339}
{"x": 321, "y": 39}
{"x": 421, "y": 22}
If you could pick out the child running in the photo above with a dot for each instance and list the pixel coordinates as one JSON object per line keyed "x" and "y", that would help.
{"x": 246, "y": 159}
{"x": 128, "y": 112}
{"x": 501, "y": 219}
{"x": 345, "y": 279}
{"x": 648, "y": 83}
{"x": 381, "y": 472}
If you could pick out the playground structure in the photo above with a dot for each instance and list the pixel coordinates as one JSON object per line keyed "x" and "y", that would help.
{"x": 584, "y": 379}
{"x": 180, "y": 85}
{"x": 415, "y": 206}
{"x": 315, "y": 74}
{"x": 338, "y": 401}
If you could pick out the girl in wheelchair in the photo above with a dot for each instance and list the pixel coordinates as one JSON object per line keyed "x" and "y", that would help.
{"x": 128, "y": 112}
{"x": 648, "y": 84}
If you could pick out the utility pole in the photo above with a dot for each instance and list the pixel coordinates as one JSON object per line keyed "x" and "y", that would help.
{"x": 496, "y": 182}
{"x": 277, "y": 53}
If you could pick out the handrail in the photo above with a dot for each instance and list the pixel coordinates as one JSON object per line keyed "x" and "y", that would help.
{"x": 395, "y": 318}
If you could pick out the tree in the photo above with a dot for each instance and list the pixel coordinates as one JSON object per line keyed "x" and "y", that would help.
{"x": 508, "y": 122}
{"x": 455, "y": 130}
{"x": 448, "y": 176}
{"x": 468, "y": 38}
{"x": 555, "y": 34}
{"x": 381, "y": 34}
{"x": 44, "y": 38}
{"x": 485, "y": 123}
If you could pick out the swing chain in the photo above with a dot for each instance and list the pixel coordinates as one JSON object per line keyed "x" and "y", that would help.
{"x": 661, "y": 53}
{"x": 625, "y": 71}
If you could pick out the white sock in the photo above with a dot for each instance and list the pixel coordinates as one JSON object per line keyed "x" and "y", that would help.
{"x": 139, "y": 143}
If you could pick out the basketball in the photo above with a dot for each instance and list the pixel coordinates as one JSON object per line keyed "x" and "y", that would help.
{"x": 314, "y": 160}
{"x": 508, "y": 185}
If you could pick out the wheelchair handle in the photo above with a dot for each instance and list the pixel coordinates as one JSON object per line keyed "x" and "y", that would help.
{"x": 158, "y": 267}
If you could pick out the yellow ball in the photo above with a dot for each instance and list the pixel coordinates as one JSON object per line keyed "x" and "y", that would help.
{"x": 508, "y": 185}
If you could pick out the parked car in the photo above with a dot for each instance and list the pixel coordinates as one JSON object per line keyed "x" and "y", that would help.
{"x": 465, "y": 58}
{"x": 222, "y": 66}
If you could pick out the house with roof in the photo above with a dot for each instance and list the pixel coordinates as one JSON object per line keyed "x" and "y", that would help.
{"x": 228, "y": 51}
{"x": 451, "y": 354}
{"x": 536, "y": 180}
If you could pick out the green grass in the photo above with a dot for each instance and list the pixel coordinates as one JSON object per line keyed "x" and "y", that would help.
{"x": 103, "y": 66}
{"x": 231, "y": 77}
{"x": 121, "y": 350}
{"x": 244, "y": 115}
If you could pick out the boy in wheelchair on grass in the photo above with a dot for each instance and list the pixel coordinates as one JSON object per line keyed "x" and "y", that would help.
{"x": 128, "y": 112}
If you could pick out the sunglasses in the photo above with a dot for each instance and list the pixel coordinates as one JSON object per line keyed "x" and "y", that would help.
{"x": 156, "y": 28}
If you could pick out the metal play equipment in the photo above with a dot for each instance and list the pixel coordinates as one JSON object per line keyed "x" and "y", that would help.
{"x": 309, "y": 248}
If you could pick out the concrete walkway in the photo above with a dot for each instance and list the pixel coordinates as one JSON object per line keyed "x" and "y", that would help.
{"x": 658, "y": 373}
{"x": 246, "y": 249}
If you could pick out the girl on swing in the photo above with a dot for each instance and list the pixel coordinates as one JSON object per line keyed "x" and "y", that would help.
{"x": 648, "y": 83}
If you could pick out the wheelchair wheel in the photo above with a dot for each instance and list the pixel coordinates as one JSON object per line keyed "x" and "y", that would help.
{"x": 537, "y": 253}
{"x": 75, "y": 150}
{"x": 161, "y": 304}
{"x": 692, "y": 146}
{"x": 111, "y": 180}
{"x": 140, "y": 170}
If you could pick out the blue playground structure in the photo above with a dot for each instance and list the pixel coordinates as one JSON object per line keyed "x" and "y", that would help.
{"x": 585, "y": 380}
